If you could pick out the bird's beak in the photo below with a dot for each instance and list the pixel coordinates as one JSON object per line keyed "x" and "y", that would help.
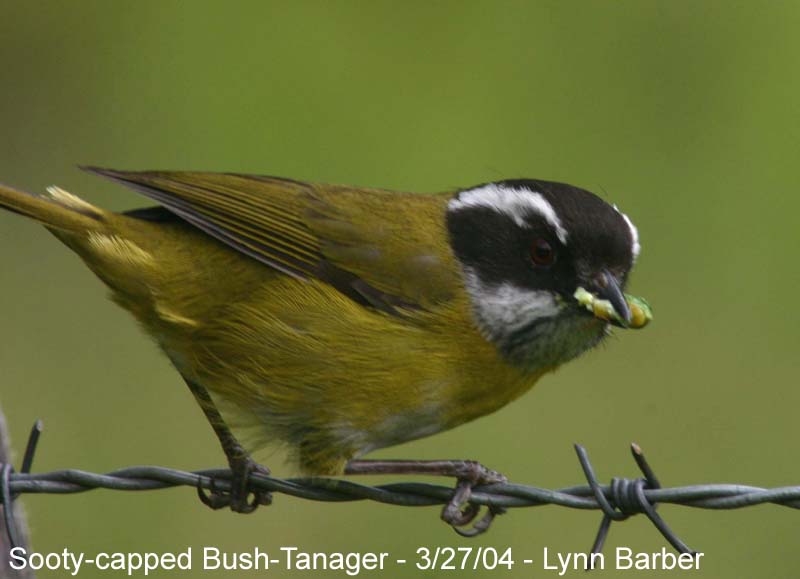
{"x": 606, "y": 301}
{"x": 607, "y": 288}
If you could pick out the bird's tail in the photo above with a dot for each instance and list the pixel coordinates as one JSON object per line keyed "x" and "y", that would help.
{"x": 58, "y": 210}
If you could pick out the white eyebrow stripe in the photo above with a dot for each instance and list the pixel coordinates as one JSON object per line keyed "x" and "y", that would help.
{"x": 511, "y": 201}
{"x": 636, "y": 248}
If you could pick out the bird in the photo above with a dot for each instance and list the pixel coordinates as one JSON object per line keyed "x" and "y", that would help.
{"x": 337, "y": 320}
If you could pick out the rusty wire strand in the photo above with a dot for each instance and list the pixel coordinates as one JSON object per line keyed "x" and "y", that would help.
{"x": 619, "y": 500}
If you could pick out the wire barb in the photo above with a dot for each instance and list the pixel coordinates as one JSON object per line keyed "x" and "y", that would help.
{"x": 617, "y": 501}
{"x": 7, "y": 497}
{"x": 627, "y": 497}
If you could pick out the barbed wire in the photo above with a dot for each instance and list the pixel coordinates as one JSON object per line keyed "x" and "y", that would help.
{"x": 619, "y": 500}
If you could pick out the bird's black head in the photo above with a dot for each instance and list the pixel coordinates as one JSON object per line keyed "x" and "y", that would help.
{"x": 527, "y": 248}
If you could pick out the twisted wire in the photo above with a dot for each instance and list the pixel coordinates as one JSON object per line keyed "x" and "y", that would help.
{"x": 619, "y": 500}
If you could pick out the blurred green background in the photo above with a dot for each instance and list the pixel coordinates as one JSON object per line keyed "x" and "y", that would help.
{"x": 683, "y": 113}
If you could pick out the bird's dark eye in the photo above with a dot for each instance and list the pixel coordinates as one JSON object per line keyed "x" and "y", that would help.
{"x": 542, "y": 253}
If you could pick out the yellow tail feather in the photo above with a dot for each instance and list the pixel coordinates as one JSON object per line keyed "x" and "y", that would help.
{"x": 57, "y": 210}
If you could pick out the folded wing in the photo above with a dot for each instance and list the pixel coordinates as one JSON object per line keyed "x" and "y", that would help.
{"x": 385, "y": 250}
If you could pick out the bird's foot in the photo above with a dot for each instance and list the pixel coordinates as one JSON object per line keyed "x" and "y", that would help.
{"x": 459, "y": 512}
{"x": 239, "y": 498}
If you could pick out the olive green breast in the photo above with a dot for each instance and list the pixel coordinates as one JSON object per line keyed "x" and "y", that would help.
{"x": 296, "y": 358}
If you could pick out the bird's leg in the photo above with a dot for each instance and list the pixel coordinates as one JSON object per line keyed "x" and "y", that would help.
{"x": 239, "y": 460}
{"x": 469, "y": 473}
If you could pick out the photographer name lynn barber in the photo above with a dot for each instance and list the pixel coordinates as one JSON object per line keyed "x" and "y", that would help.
{"x": 348, "y": 563}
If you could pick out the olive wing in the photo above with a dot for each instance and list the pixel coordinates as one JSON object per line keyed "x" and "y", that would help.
{"x": 385, "y": 250}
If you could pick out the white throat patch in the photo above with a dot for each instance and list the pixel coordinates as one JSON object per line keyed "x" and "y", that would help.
{"x": 505, "y": 309}
{"x": 517, "y": 203}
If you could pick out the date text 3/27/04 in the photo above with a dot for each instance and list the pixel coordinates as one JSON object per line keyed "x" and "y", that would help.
{"x": 462, "y": 558}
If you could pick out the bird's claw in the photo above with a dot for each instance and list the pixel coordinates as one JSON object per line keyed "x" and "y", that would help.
{"x": 459, "y": 512}
{"x": 239, "y": 498}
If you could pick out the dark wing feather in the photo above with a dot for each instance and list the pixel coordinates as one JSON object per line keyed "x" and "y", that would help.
{"x": 261, "y": 227}
{"x": 343, "y": 236}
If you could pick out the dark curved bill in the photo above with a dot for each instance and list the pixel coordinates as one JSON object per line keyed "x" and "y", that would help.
{"x": 608, "y": 289}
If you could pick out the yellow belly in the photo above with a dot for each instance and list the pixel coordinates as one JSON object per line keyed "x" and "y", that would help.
{"x": 336, "y": 380}
{"x": 305, "y": 365}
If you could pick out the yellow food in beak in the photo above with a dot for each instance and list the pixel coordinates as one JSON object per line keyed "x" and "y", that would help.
{"x": 641, "y": 313}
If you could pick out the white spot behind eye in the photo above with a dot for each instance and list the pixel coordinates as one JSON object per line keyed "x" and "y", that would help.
{"x": 635, "y": 247}
{"x": 517, "y": 203}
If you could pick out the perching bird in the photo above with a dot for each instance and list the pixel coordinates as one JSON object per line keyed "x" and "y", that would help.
{"x": 340, "y": 320}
